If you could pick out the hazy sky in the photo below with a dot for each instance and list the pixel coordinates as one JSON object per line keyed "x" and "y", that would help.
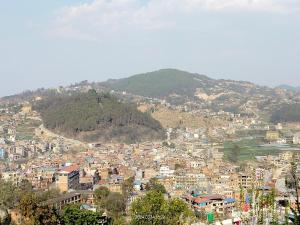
{"x": 57, "y": 42}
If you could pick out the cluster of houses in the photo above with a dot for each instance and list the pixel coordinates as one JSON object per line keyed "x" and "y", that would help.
{"x": 190, "y": 165}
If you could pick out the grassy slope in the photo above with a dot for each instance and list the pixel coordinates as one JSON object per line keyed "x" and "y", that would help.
{"x": 160, "y": 83}
{"x": 249, "y": 149}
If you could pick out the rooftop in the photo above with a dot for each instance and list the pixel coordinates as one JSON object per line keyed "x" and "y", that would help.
{"x": 69, "y": 169}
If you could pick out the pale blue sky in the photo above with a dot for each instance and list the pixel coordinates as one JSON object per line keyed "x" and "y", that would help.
{"x": 57, "y": 42}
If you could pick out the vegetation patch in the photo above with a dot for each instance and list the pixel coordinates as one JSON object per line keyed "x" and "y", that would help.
{"x": 97, "y": 117}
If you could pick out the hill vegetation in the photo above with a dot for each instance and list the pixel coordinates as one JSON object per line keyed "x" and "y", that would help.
{"x": 287, "y": 113}
{"x": 159, "y": 83}
{"x": 93, "y": 117}
{"x": 289, "y": 88}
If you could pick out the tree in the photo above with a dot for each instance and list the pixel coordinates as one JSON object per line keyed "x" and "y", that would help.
{"x": 150, "y": 209}
{"x": 45, "y": 215}
{"x": 28, "y": 206}
{"x": 127, "y": 187}
{"x": 178, "y": 212}
{"x": 234, "y": 154}
{"x": 293, "y": 183}
{"x": 25, "y": 185}
{"x": 97, "y": 176}
{"x": 73, "y": 215}
{"x": 9, "y": 195}
{"x": 46, "y": 195}
{"x": 115, "y": 205}
{"x": 153, "y": 184}
{"x": 178, "y": 166}
{"x": 100, "y": 196}
{"x": 154, "y": 209}
{"x": 6, "y": 220}
{"x": 97, "y": 116}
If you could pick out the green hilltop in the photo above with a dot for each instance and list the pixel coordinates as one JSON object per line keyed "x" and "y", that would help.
{"x": 95, "y": 117}
{"x": 160, "y": 83}
{"x": 286, "y": 113}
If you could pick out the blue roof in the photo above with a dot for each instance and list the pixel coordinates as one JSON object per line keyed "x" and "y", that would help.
{"x": 85, "y": 206}
{"x": 230, "y": 200}
{"x": 248, "y": 199}
{"x": 89, "y": 159}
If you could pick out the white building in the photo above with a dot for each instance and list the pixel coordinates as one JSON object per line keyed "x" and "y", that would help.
{"x": 296, "y": 139}
{"x": 165, "y": 171}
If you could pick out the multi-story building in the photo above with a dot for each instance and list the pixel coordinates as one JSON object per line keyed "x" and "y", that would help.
{"x": 42, "y": 178}
{"x": 189, "y": 181}
{"x": 12, "y": 176}
{"x": 165, "y": 171}
{"x": 217, "y": 203}
{"x": 60, "y": 202}
{"x": 68, "y": 178}
{"x": 245, "y": 181}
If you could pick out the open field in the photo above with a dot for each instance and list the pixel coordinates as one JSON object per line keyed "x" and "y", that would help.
{"x": 249, "y": 148}
{"x": 26, "y": 130}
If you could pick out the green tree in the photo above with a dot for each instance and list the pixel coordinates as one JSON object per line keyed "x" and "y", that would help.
{"x": 100, "y": 197}
{"x": 25, "y": 186}
{"x": 234, "y": 153}
{"x": 178, "y": 212}
{"x": 9, "y": 195}
{"x": 115, "y": 205}
{"x": 46, "y": 195}
{"x": 28, "y": 205}
{"x": 154, "y": 209}
{"x": 293, "y": 183}
{"x": 45, "y": 215}
{"x": 154, "y": 185}
{"x": 127, "y": 187}
{"x": 73, "y": 215}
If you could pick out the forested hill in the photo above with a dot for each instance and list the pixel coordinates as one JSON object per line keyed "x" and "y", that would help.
{"x": 97, "y": 117}
{"x": 179, "y": 87}
{"x": 160, "y": 83}
{"x": 286, "y": 113}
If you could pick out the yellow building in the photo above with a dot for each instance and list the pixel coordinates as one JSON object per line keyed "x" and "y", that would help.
{"x": 272, "y": 135}
{"x": 27, "y": 109}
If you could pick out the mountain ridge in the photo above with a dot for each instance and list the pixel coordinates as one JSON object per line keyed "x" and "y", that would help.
{"x": 289, "y": 87}
{"x": 179, "y": 87}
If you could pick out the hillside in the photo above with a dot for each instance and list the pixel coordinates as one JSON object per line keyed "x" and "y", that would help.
{"x": 159, "y": 83}
{"x": 289, "y": 88}
{"x": 286, "y": 113}
{"x": 179, "y": 87}
{"x": 95, "y": 117}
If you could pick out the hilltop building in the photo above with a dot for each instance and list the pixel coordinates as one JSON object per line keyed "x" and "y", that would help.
{"x": 68, "y": 178}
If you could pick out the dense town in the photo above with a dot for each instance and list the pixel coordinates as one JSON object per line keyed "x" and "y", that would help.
{"x": 200, "y": 166}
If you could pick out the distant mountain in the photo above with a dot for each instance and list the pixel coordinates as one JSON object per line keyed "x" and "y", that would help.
{"x": 168, "y": 82}
{"x": 95, "y": 117}
{"x": 179, "y": 87}
{"x": 160, "y": 83}
{"x": 289, "y": 87}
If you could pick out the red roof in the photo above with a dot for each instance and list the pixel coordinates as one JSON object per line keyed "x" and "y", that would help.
{"x": 201, "y": 200}
{"x": 208, "y": 198}
{"x": 69, "y": 169}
